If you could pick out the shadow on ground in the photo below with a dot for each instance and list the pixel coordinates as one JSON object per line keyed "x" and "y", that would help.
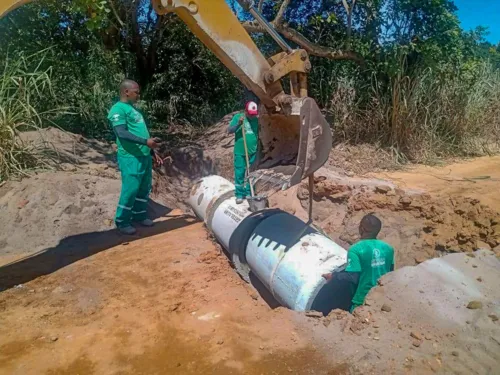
{"x": 74, "y": 248}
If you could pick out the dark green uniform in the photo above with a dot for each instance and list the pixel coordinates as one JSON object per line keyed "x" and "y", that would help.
{"x": 373, "y": 259}
{"x": 135, "y": 163}
{"x": 242, "y": 188}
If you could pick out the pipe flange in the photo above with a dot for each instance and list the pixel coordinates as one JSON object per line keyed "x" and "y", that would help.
{"x": 213, "y": 205}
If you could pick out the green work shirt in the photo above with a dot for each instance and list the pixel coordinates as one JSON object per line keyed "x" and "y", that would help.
{"x": 373, "y": 259}
{"x": 125, "y": 114}
{"x": 251, "y": 131}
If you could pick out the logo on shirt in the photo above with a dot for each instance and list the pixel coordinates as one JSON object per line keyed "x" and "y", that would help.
{"x": 248, "y": 128}
{"x": 377, "y": 260}
{"x": 116, "y": 117}
{"x": 137, "y": 117}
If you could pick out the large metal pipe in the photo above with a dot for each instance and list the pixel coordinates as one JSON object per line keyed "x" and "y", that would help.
{"x": 288, "y": 256}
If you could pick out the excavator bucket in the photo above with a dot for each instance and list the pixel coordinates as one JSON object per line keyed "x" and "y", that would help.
{"x": 293, "y": 146}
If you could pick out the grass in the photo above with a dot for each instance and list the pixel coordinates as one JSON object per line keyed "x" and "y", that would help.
{"x": 25, "y": 88}
{"x": 423, "y": 117}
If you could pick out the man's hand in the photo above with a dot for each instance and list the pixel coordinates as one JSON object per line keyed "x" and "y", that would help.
{"x": 153, "y": 143}
{"x": 327, "y": 276}
{"x": 157, "y": 160}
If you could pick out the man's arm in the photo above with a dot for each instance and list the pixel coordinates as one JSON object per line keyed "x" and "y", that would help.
{"x": 351, "y": 277}
{"x": 122, "y": 132}
{"x": 353, "y": 270}
{"x": 235, "y": 124}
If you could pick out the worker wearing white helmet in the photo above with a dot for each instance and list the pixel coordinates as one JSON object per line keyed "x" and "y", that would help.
{"x": 248, "y": 119}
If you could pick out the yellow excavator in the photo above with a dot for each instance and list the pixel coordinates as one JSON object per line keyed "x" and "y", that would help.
{"x": 295, "y": 138}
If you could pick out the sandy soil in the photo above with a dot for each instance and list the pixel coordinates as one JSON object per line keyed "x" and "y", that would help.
{"x": 475, "y": 178}
{"x": 76, "y": 297}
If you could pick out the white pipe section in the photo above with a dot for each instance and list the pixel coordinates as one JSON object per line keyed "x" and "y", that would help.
{"x": 225, "y": 218}
{"x": 205, "y": 191}
{"x": 288, "y": 256}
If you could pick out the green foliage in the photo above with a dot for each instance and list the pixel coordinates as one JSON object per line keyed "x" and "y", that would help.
{"x": 24, "y": 86}
{"x": 426, "y": 88}
{"x": 422, "y": 116}
{"x": 200, "y": 92}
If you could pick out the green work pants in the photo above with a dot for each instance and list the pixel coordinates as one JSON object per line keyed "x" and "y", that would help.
{"x": 242, "y": 187}
{"x": 137, "y": 175}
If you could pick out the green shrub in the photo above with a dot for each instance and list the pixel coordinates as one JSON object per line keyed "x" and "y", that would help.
{"x": 24, "y": 87}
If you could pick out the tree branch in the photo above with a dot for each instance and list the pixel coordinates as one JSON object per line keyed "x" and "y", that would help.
{"x": 278, "y": 20}
{"x": 313, "y": 48}
{"x": 115, "y": 13}
{"x": 349, "y": 10}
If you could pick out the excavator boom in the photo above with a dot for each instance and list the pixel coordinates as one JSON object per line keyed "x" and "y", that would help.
{"x": 295, "y": 138}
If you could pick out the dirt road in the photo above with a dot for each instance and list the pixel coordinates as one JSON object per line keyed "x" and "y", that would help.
{"x": 478, "y": 178}
{"x": 168, "y": 303}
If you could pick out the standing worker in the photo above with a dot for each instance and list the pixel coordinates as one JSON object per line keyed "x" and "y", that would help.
{"x": 367, "y": 261}
{"x": 135, "y": 159}
{"x": 250, "y": 122}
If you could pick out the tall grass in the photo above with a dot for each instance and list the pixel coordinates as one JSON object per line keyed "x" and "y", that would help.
{"x": 24, "y": 86}
{"x": 422, "y": 116}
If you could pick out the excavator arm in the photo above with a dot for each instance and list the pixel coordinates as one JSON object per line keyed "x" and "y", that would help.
{"x": 296, "y": 140}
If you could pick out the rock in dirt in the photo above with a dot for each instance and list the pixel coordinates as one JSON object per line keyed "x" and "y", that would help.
{"x": 54, "y": 338}
{"x": 253, "y": 295}
{"x": 416, "y": 343}
{"x": 22, "y": 203}
{"x": 406, "y": 201}
{"x": 416, "y": 335}
{"x": 482, "y": 245}
{"x": 420, "y": 259}
{"x": 455, "y": 353}
{"x": 475, "y": 305}
{"x": 174, "y": 307}
{"x": 220, "y": 342}
{"x": 493, "y": 317}
{"x": 67, "y": 167}
{"x": 314, "y": 314}
{"x": 386, "y": 308}
{"x": 383, "y": 189}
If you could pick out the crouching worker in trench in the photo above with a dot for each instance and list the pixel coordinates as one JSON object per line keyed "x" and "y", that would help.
{"x": 244, "y": 124}
{"x": 135, "y": 159}
{"x": 367, "y": 261}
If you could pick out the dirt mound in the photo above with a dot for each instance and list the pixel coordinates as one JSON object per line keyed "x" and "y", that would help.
{"x": 419, "y": 226}
{"x": 70, "y": 152}
{"x": 211, "y": 153}
{"x": 438, "y": 317}
{"x": 39, "y": 211}
{"x": 78, "y": 196}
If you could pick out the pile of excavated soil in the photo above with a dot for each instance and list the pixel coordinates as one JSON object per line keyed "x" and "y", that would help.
{"x": 36, "y": 213}
{"x": 419, "y": 226}
{"x": 78, "y": 196}
{"x": 211, "y": 154}
{"x": 441, "y": 316}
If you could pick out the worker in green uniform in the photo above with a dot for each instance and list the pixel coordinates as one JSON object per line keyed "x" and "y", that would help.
{"x": 367, "y": 261}
{"x": 250, "y": 121}
{"x": 135, "y": 158}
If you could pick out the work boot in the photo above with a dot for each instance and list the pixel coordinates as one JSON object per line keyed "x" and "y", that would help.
{"x": 239, "y": 200}
{"x": 147, "y": 223}
{"x": 127, "y": 230}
